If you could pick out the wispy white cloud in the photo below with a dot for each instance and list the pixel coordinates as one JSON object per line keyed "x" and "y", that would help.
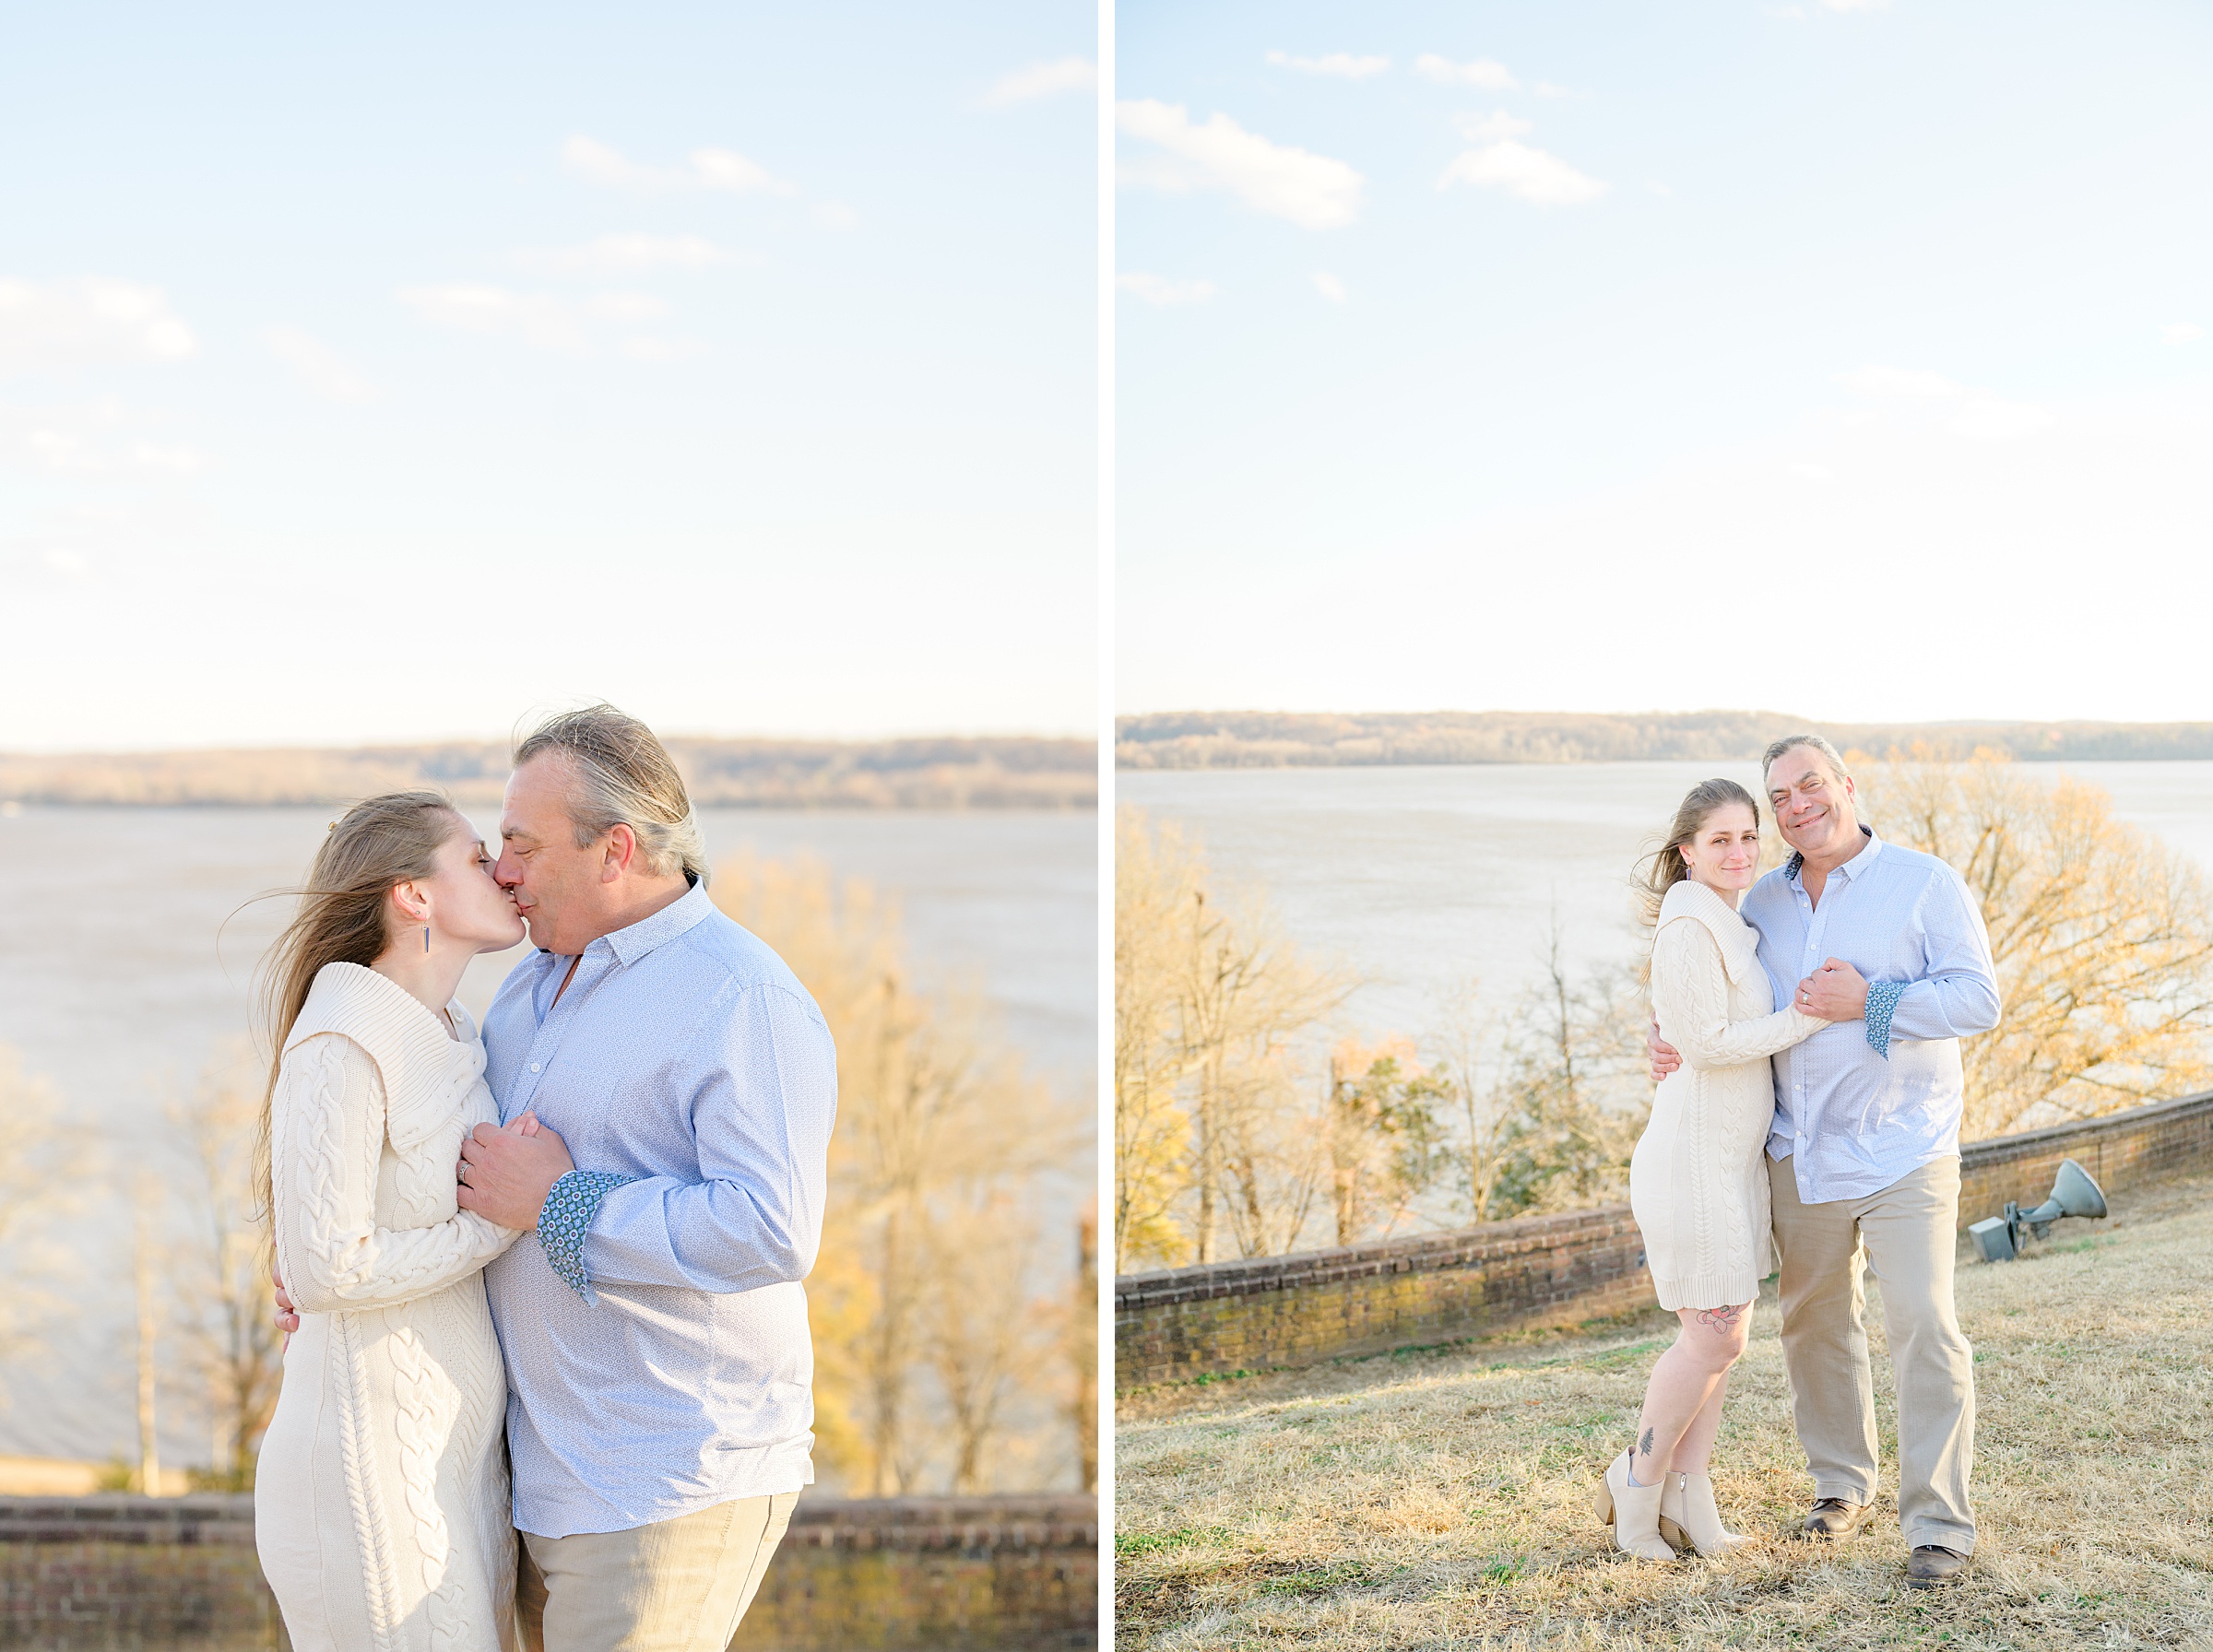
{"x": 316, "y": 365}
{"x": 1491, "y": 128}
{"x": 1855, "y": 5}
{"x": 1504, "y": 162}
{"x": 630, "y": 307}
{"x": 90, "y": 320}
{"x": 1989, "y": 418}
{"x": 1342, "y": 64}
{"x": 98, "y": 438}
{"x": 1978, "y": 414}
{"x": 1330, "y": 287}
{"x": 612, "y": 255}
{"x": 1037, "y": 80}
{"x": 1311, "y": 191}
{"x": 542, "y": 320}
{"x": 1900, "y": 382}
{"x": 1160, "y": 289}
{"x": 831, "y": 215}
{"x": 2181, "y": 332}
{"x": 654, "y": 347}
{"x": 171, "y": 459}
{"x": 704, "y": 169}
{"x": 596, "y": 163}
{"x": 1491, "y": 76}
{"x": 727, "y": 170}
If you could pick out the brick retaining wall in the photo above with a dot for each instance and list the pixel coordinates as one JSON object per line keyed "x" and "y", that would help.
{"x": 2121, "y": 1150}
{"x": 1180, "y": 1323}
{"x": 964, "y": 1575}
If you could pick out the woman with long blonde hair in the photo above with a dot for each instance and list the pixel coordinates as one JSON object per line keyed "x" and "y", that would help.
{"x": 1697, "y": 1183}
{"x": 381, "y": 1499}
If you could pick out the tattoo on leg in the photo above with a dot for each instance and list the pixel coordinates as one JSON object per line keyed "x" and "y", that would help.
{"x": 1645, "y": 1445}
{"x": 1721, "y": 1319}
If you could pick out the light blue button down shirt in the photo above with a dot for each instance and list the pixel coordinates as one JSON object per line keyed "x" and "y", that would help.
{"x": 1853, "y": 1116}
{"x": 686, "y": 1056}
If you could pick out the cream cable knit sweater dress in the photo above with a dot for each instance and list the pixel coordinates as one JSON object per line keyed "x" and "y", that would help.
{"x": 380, "y": 1500}
{"x": 1697, "y": 1183}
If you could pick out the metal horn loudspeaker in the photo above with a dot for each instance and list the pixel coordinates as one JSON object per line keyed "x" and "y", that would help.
{"x": 2074, "y": 1193}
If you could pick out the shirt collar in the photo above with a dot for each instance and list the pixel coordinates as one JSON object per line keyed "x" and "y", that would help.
{"x": 1850, "y": 869}
{"x": 680, "y": 915}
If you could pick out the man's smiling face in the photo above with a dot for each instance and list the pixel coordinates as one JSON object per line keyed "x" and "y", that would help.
{"x": 1814, "y": 805}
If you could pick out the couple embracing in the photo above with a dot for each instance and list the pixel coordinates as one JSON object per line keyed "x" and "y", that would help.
{"x": 1806, "y": 1039}
{"x": 544, "y": 1283}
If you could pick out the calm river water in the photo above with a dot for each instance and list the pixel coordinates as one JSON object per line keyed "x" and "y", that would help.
{"x": 1423, "y": 880}
{"x": 114, "y": 987}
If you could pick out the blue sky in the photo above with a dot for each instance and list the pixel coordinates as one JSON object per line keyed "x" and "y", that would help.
{"x": 1852, "y": 360}
{"x": 388, "y": 374}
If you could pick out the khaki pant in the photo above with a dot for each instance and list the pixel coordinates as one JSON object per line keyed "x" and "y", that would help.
{"x": 1906, "y": 1233}
{"x": 675, "y": 1586}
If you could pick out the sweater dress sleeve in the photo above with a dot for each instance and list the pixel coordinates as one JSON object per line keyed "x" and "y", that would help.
{"x": 1690, "y": 997}
{"x": 326, "y": 1138}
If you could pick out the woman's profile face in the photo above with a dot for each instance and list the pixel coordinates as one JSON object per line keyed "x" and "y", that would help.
{"x": 1724, "y": 851}
{"x": 467, "y": 904}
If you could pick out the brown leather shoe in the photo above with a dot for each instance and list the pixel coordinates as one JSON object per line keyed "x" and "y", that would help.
{"x": 1835, "y": 1519}
{"x": 1933, "y": 1566}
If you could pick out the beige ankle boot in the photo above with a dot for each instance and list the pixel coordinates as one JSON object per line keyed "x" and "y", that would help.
{"x": 1633, "y": 1511}
{"x": 1687, "y": 1515}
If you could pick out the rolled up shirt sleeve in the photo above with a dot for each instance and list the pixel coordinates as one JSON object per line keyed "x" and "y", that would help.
{"x": 763, "y": 1081}
{"x": 1956, "y": 994}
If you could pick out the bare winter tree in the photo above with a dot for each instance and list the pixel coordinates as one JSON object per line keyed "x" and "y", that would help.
{"x": 1213, "y": 1100}
{"x": 1080, "y": 1350}
{"x": 1571, "y": 1099}
{"x": 989, "y": 1337}
{"x": 45, "y": 1162}
{"x": 2102, "y": 935}
{"x": 1469, "y": 1041}
{"x": 219, "y": 1267}
{"x": 1156, "y": 875}
{"x": 941, "y": 1145}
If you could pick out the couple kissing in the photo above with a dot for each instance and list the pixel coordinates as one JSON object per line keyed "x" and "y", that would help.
{"x": 549, "y": 1374}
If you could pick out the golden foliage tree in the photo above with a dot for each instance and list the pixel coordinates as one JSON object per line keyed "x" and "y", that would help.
{"x": 2101, "y": 934}
{"x": 1155, "y": 875}
{"x": 931, "y": 1325}
{"x": 1212, "y": 1000}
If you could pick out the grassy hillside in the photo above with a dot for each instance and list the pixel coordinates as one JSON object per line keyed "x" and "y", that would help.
{"x": 1281, "y": 739}
{"x": 1005, "y": 772}
{"x": 1440, "y": 1499}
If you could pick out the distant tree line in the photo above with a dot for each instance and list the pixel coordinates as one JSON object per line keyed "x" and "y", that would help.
{"x": 1284, "y": 739}
{"x": 1247, "y": 1122}
{"x": 932, "y": 773}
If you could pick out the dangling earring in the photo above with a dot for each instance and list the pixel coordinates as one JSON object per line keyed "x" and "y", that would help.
{"x": 426, "y": 937}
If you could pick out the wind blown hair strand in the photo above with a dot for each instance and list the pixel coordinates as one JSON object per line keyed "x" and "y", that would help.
{"x": 341, "y": 918}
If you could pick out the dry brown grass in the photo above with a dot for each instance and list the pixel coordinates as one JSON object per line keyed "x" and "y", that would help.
{"x": 1440, "y": 1499}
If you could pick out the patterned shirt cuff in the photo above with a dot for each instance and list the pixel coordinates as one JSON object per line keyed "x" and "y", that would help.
{"x": 1882, "y": 1003}
{"x": 566, "y": 1219}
